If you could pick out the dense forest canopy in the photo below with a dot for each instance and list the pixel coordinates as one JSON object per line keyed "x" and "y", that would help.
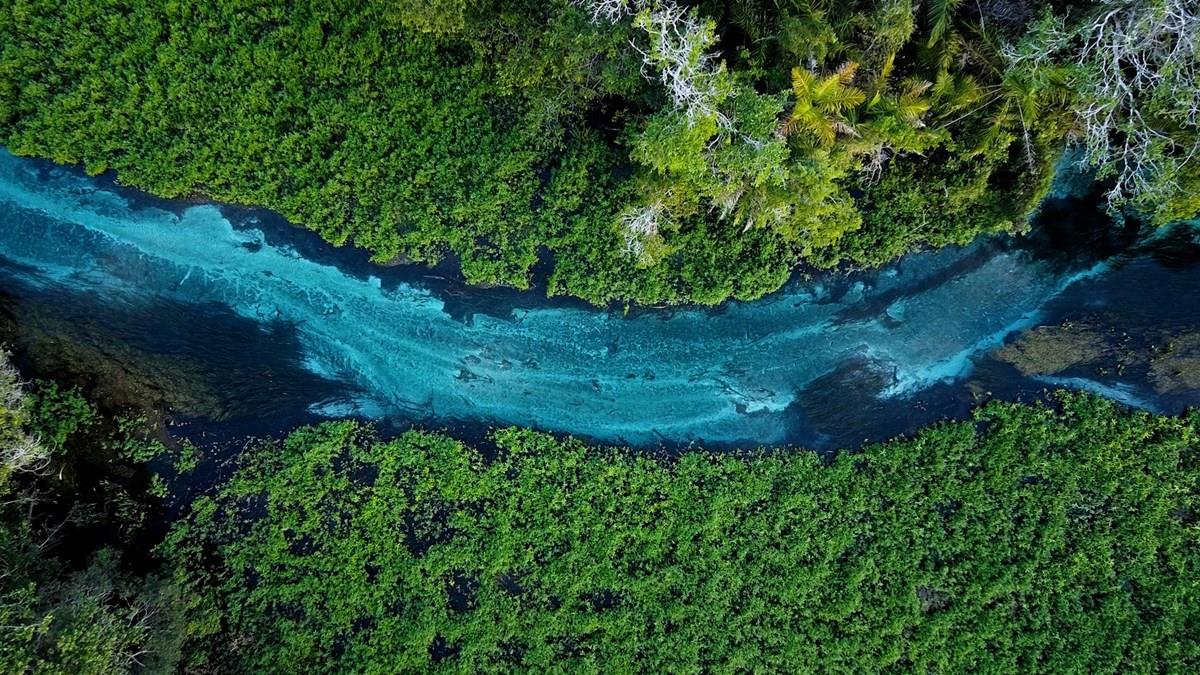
{"x": 1051, "y": 541}
{"x": 1033, "y": 538}
{"x": 656, "y": 151}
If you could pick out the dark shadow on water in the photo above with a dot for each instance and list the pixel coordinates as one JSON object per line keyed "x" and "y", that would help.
{"x": 193, "y": 359}
{"x": 1177, "y": 250}
{"x": 846, "y": 408}
{"x": 879, "y": 302}
{"x": 1073, "y": 232}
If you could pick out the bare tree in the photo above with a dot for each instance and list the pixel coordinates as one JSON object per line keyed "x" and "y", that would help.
{"x": 11, "y": 391}
{"x": 19, "y": 451}
{"x": 1141, "y": 68}
{"x": 1136, "y": 75}
{"x": 679, "y": 53}
{"x": 610, "y": 11}
{"x": 639, "y": 225}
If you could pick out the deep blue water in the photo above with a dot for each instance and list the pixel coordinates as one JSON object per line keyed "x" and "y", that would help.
{"x": 286, "y": 328}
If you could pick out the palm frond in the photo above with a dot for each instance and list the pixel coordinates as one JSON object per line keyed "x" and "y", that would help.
{"x": 956, "y": 93}
{"x": 802, "y": 82}
{"x": 845, "y": 72}
{"x": 912, "y": 104}
{"x": 842, "y": 99}
{"x": 751, "y": 16}
{"x": 812, "y": 122}
{"x": 886, "y": 70}
{"x": 986, "y": 47}
{"x": 941, "y": 14}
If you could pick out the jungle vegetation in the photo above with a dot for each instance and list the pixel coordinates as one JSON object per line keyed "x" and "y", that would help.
{"x": 653, "y": 151}
{"x": 78, "y": 595}
{"x": 1030, "y": 539}
{"x": 1054, "y": 537}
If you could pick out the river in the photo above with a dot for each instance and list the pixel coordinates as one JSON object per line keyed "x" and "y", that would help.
{"x": 271, "y": 324}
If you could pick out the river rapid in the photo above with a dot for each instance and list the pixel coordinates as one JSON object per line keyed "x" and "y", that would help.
{"x": 267, "y": 324}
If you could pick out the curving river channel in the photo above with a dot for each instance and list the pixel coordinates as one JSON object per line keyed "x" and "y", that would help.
{"x": 273, "y": 324}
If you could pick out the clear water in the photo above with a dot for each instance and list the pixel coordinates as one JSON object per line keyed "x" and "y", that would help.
{"x": 317, "y": 331}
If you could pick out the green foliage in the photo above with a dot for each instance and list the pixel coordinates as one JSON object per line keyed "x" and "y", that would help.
{"x": 821, "y": 102}
{"x": 941, "y": 14}
{"x": 1031, "y": 539}
{"x": 56, "y": 414}
{"x": 1169, "y": 205}
{"x": 804, "y": 32}
{"x": 440, "y": 17}
{"x": 130, "y": 442}
{"x": 489, "y": 131}
{"x": 96, "y": 621}
{"x": 187, "y": 457}
{"x": 54, "y": 617}
{"x": 937, "y": 203}
{"x": 92, "y": 622}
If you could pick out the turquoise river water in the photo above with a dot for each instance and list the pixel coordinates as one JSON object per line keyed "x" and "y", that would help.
{"x": 319, "y": 332}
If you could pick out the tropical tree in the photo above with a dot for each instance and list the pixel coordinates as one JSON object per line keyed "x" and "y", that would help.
{"x": 894, "y": 122}
{"x": 821, "y": 103}
{"x": 1027, "y": 98}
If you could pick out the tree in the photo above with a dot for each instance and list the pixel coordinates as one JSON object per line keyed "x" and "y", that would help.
{"x": 822, "y": 102}
{"x": 1140, "y": 100}
{"x": 680, "y": 53}
{"x": 20, "y": 449}
{"x": 1028, "y": 99}
{"x": 437, "y": 17}
{"x": 1136, "y": 68}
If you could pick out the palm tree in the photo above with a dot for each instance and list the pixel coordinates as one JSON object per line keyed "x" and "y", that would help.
{"x": 894, "y": 120}
{"x": 1026, "y": 95}
{"x": 821, "y": 103}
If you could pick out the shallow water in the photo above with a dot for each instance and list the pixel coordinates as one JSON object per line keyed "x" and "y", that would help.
{"x": 282, "y": 326}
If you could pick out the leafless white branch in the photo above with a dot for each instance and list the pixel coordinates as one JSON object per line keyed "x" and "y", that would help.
{"x": 680, "y": 59}
{"x": 610, "y": 11}
{"x": 640, "y": 224}
{"x": 1134, "y": 52}
{"x": 19, "y": 451}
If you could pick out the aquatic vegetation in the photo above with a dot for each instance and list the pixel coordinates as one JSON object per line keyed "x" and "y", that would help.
{"x": 58, "y": 413}
{"x": 1177, "y": 366}
{"x": 1047, "y": 350}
